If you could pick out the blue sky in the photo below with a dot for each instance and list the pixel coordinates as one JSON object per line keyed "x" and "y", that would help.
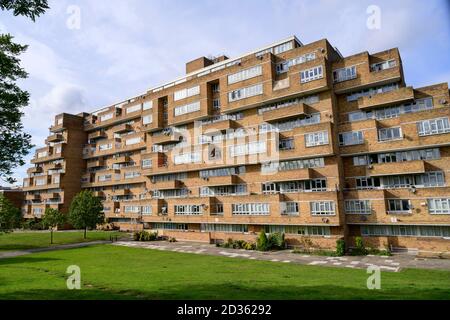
{"x": 123, "y": 48}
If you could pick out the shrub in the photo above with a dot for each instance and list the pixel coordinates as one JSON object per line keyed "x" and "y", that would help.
{"x": 172, "y": 240}
{"x": 145, "y": 236}
{"x": 359, "y": 249}
{"x": 276, "y": 241}
{"x": 340, "y": 247}
{"x": 262, "y": 242}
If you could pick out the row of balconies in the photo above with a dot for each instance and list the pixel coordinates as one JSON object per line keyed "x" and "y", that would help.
{"x": 118, "y": 145}
{"x": 50, "y": 182}
{"x": 51, "y": 153}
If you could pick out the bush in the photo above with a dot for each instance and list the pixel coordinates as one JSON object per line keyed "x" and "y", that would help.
{"x": 262, "y": 242}
{"x": 32, "y": 224}
{"x": 276, "y": 241}
{"x": 237, "y": 244}
{"x": 145, "y": 236}
{"x": 172, "y": 240}
{"x": 359, "y": 249}
{"x": 340, "y": 247}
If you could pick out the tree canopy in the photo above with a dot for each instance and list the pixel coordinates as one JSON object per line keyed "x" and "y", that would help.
{"x": 86, "y": 211}
{"x": 10, "y": 215}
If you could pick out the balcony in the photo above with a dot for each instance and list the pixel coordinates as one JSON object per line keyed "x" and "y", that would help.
{"x": 33, "y": 197}
{"x": 221, "y": 126}
{"x": 99, "y": 194}
{"x": 167, "y": 185}
{"x": 285, "y": 113}
{"x": 221, "y": 181}
{"x": 96, "y": 164}
{"x": 121, "y": 192}
{"x": 34, "y": 170}
{"x": 99, "y": 134}
{"x": 51, "y": 195}
{"x": 55, "y": 166}
{"x": 289, "y": 175}
{"x": 396, "y": 168}
{"x": 401, "y": 95}
{"x": 125, "y": 127}
{"x": 59, "y": 124}
{"x": 121, "y": 159}
{"x": 170, "y": 137}
{"x": 57, "y": 137}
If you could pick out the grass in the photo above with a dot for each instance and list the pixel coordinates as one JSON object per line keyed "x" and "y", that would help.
{"x": 113, "y": 272}
{"x": 33, "y": 240}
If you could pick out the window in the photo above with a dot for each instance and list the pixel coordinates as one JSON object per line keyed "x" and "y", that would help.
{"x": 289, "y": 208}
{"x": 231, "y": 190}
{"x": 285, "y": 65}
{"x": 106, "y": 117}
{"x": 322, "y": 208}
{"x": 302, "y": 230}
{"x": 399, "y": 206}
{"x": 216, "y": 104}
{"x": 222, "y": 172}
{"x": 245, "y": 74}
{"x": 40, "y": 182}
{"x": 245, "y": 93}
{"x": 287, "y": 103}
{"x": 433, "y": 126}
{"x": 146, "y": 210}
{"x": 188, "y": 108}
{"x": 107, "y": 146}
{"x": 170, "y": 226}
{"x": 131, "y": 175}
{"x": 292, "y": 165}
{"x": 357, "y": 207}
{"x": 312, "y": 185}
{"x": 311, "y": 74}
{"x": 248, "y": 149}
{"x": 132, "y": 141}
{"x": 439, "y": 206}
{"x": 42, "y": 154}
{"x": 188, "y": 210}
{"x": 383, "y": 65}
{"x": 344, "y": 74}
{"x": 211, "y": 227}
{"x": 316, "y": 138}
{"x": 401, "y": 230}
{"x": 187, "y": 158}
{"x": 215, "y": 88}
{"x": 147, "y": 163}
{"x": 371, "y": 91}
{"x": 131, "y": 209}
{"x": 147, "y": 119}
{"x": 351, "y": 138}
{"x": 360, "y": 160}
{"x": 250, "y": 209}
{"x": 283, "y": 47}
{"x": 133, "y": 109}
{"x": 286, "y": 144}
{"x": 387, "y": 134}
{"x": 367, "y": 183}
{"x": 185, "y": 93}
{"x": 104, "y": 178}
{"x": 290, "y": 124}
{"x": 147, "y": 105}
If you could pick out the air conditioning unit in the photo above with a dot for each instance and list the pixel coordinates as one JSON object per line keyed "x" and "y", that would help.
{"x": 443, "y": 101}
{"x": 424, "y": 204}
{"x": 325, "y": 220}
{"x": 370, "y": 166}
{"x": 394, "y": 219}
{"x": 413, "y": 190}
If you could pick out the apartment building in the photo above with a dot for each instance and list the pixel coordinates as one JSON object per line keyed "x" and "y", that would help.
{"x": 291, "y": 137}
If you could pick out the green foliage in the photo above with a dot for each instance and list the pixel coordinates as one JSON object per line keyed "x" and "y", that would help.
{"x": 14, "y": 143}
{"x": 145, "y": 236}
{"x": 276, "y": 241}
{"x": 316, "y": 252}
{"x": 340, "y": 247}
{"x": 10, "y": 216}
{"x": 27, "y": 8}
{"x": 32, "y": 224}
{"x": 86, "y": 211}
{"x": 359, "y": 249}
{"x": 262, "y": 241}
{"x": 53, "y": 218}
{"x": 172, "y": 240}
{"x": 237, "y": 244}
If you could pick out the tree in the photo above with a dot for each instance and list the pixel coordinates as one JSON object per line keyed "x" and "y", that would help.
{"x": 86, "y": 211}
{"x": 52, "y": 219}
{"x": 14, "y": 143}
{"x": 10, "y": 216}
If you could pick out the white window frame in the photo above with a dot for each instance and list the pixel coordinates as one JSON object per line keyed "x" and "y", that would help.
{"x": 319, "y": 138}
{"x": 311, "y": 74}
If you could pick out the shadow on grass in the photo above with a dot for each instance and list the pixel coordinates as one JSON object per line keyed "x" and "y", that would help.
{"x": 229, "y": 292}
{"x": 24, "y": 259}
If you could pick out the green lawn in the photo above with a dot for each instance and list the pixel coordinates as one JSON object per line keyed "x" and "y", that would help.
{"x": 113, "y": 272}
{"x": 32, "y": 240}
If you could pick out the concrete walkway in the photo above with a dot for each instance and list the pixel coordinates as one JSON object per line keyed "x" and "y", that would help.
{"x": 392, "y": 263}
{"x": 11, "y": 254}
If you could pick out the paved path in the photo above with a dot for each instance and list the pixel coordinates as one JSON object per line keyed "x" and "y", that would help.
{"x": 10, "y": 254}
{"x": 386, "y": 263}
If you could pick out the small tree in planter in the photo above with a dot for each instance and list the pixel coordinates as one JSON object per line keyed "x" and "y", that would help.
{"x": 86, "y": 211}
{"x": 340, "y": 247}
{"x": 53, "y": 218}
